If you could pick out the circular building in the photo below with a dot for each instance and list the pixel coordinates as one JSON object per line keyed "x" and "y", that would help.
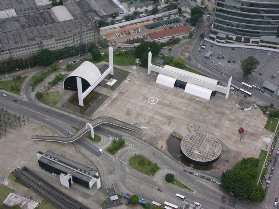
{"x": 244, "y": 104}
{"x": 201, "y": 148}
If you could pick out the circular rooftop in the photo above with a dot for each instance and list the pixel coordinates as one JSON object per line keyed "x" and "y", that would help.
{"x": 201, "y": 148}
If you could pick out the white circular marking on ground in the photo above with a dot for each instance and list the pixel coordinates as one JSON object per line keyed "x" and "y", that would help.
{"x": 152, "y": 100}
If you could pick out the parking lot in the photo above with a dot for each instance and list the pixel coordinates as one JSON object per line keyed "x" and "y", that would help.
{"x": 228, "y": 61}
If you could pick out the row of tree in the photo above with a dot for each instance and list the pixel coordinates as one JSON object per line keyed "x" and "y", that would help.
{"x": 241, "y": 180}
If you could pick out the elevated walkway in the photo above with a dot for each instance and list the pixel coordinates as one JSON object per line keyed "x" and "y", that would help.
{"x": 94, "y": 123}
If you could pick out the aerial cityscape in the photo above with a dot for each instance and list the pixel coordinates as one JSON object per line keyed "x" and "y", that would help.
{"x": 144, "y": 104}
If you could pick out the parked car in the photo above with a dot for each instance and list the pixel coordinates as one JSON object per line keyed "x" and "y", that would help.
{"x": 276, "y": 202}
{"x": 4, "y": 95}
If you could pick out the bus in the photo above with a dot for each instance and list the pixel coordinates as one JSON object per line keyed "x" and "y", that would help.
{"x": 233, "y": 87}
{"x": 179, "y": 196}
{"x": 245, "y": 92}
{"x": 155, "y": 203}
{"x": 246, "y": 85}
{"x": 166, "y": 207}
{"x": 170, "y": 205}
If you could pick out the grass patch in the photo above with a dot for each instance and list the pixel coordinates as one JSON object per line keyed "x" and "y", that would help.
{"x": 115, "y": 146}
{"x": 13, "y": 178}
{"x": 180, "y": 184}
{"x": 176, "y": 135}
{"x": 40, "y": 77}
{"x": 45, "y": 205}
{"x": 14, "y": 85}
{"x": 261, "y": 158}
{"x": 73, "y": 66}
{"x": 263, "y": 108}
{"x": 96, "y": 138}
{"x": 50, "y": 98}
{"x": 271, "y": 124}
{"x": 143, "y": 165}
{"x": 4, "y": 192}
{"x": 122, "y": 58}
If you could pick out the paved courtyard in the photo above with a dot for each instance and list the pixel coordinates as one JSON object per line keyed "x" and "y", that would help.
{"x": 159, "y": 110}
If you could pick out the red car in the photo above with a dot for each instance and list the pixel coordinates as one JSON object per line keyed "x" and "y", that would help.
{"x": 160, "y": 190}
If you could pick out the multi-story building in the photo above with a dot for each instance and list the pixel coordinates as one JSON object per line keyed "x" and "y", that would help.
{"x": 247, "y": 18}
{"x": 31, "y": 25}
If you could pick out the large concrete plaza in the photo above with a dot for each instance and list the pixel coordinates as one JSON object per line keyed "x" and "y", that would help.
{"x": 159, "y": 110}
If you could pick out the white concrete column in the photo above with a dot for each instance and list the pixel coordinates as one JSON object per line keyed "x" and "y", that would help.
{"x": 149, "y": 62}
{"x": 111, "y": 60}
{"x": 79, "y": 87}
{"x": 88, "y": 125}
{"x": 228, "y": 88}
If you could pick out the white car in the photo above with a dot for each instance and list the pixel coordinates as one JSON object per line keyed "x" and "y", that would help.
{"x": 4, "y": 95}
{"x": 197, "y": 204}
{"x": 101, "y": 151}
{"x": 276, "y": 202}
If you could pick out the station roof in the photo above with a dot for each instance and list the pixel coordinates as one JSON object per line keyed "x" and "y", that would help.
{"x": 61, "y": 13}
{"x": 68, "y": 166}
{"x": 169, "y": 32}
{"x": 88, "y": 71}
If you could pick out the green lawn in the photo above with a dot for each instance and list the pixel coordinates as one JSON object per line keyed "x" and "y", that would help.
{"x": 14, "y": 85}
{"x": 4, "y": 192}
{"x": 261, "y": 158}
{"x": 122, "y": 59}
{"x": 115, "y": 146}
{"x": 180, "y": 184}
{"x": 73, "y": 66}
{"x": 271, "y": 124}
{"x": 45, "y": 205}
{"x": 143, "y": 165}
{"x": 13, "y": 178}
{"x": 50, "y": 98}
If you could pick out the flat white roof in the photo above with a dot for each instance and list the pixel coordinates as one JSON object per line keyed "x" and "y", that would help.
{"x": 42, "y": 2}
{"x": 88, "y": 71}
{"x": 198, "y": 91}
{"x": 7, "y": 13}
{"x": 61, "y": 13}
{"x": 189, "y": 74}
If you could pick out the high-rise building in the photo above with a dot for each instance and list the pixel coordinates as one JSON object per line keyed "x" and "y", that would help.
{"x": 247, "y": 18}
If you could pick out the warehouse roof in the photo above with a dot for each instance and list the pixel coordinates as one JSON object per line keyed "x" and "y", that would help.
{"x": 169, "y": 32}
{"x": 61, "y": 13}
{"x": 88, "y": 71}
{"x": 42, "y": 2}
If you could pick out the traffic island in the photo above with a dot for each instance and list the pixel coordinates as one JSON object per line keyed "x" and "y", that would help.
{"x": 143, "y": 165}
{"x": 115, "y": 146}
{"x": 169, "y": 178}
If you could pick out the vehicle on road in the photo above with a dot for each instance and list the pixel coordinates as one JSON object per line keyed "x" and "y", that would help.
{"x": 276, "y": 202}
{"x": 4, "y": 95}
{"x": 155, "y": 203}
{"x": 170, "y": 205}
{"x": 179, "y": 196}
{"x": 70, "y": 133}
{"x": 160, "y": 190}
{"x": 14, "y": 100}
{"x": 101, "y": 151}
{"x": 197, "y": 204}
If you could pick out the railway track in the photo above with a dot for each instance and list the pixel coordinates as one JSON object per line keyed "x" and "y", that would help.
{"x": 46, "y": 190}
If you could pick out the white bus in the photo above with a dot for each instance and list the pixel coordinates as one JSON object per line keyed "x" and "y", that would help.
{"x": 170, "y": 205}
{"x": 179, "y": 196}
{"x": 155, "y": 203}
{"x": 166, "y": 207}
{"x": 246, "y": 85}
{"x": 233, "y": 87}
{"x": 245, "y": 92}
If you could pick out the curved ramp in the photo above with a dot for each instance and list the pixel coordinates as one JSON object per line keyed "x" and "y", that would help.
{"x": 96, "y": 122}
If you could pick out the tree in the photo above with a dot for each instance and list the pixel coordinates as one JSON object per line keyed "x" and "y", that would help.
{"x": 155, "y": 10}
{"x": 196, "y": 14}
{"x": 202, "y": 35}
{"x": 147, "y": 205}
{"x": 158, "y": 207}
{"x": 242, "y": 180}
{"x": 45, "y": 57}
{"x": 134, "y": 199}
{"x": 248, "y": 65}
{"x": 179, "y": 10}
{"x": 102, "y": 23}
{"x": 169, "y": 177}
{"x": 142, "y": 50}
{"x": 96, "y": 54}
{"x": 190, "y": 34}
